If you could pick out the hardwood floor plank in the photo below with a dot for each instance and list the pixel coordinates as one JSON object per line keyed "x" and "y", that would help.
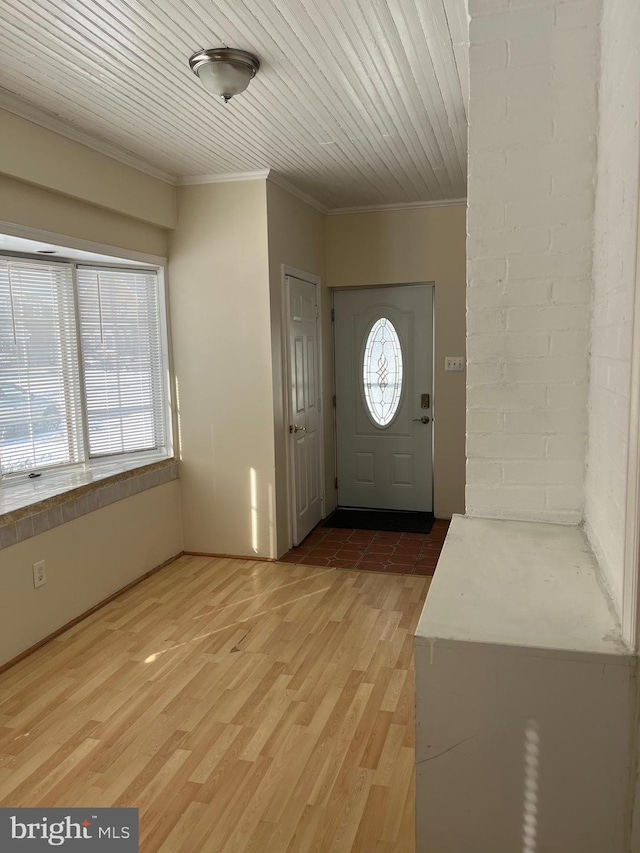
{"x": 241, "y": 706}
{"x": 344, "y": 809}
{"x": 371, "y": 823}
{"x": 399, "y": 784}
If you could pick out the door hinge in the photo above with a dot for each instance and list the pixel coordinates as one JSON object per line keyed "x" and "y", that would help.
{"x": 334, "y": 401}
{"x": 336, "y": 483}
{"x": 333, "y": 313}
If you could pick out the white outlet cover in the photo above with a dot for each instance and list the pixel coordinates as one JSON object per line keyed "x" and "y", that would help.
{"x": 39, "y": 574}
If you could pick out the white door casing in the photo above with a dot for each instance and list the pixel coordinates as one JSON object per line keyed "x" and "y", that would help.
{"x": 305, "y": 434}
{"x": 385, "y": 464}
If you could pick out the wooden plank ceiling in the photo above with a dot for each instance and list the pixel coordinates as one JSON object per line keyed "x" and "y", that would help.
{"x": 357, "y": 102}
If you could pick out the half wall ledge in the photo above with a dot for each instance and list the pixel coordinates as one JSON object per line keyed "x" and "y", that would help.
{"x": 29, "y": 507}
{"x": 525, "y": 696}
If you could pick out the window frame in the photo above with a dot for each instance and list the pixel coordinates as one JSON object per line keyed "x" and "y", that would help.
{"x": 71, "y": 390}
{"x": 145, "y": 456}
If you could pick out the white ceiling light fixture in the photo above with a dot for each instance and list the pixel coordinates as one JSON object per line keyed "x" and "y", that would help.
{"x": 225, "y": 71}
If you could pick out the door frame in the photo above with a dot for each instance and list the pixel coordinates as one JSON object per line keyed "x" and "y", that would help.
{"x": 630, "y": 610}
{"x": 310, "y": 278}
{"x": 379, "y": 286}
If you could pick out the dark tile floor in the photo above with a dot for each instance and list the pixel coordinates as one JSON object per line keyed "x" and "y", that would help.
{"x": 371, "y": 550}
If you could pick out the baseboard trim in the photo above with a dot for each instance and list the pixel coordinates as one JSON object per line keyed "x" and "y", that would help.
{"x": 230, "y": 556}
{"x": 25, "y": 654}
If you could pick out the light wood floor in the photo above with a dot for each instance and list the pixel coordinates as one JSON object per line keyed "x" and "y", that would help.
{"x": 241, "y": 706}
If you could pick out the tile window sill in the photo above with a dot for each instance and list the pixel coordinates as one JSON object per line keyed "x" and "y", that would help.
{"x": 31, "y": 507}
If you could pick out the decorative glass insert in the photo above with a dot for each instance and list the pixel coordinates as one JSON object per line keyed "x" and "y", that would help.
{"x": 382, "y": 372}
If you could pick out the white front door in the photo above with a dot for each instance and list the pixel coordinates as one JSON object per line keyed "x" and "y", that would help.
{"x": 304, "y": 407}
{"x": 384, "y": 369}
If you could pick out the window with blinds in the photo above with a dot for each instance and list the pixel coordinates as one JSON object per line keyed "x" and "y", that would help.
{"x": 82, "y": 366}
{"x": 122, "y": 358}
{"x": 40, "y": 403}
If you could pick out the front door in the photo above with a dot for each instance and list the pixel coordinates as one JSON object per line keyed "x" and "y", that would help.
{"x": 384, "y": 369}
{"x": 304, "y": 407}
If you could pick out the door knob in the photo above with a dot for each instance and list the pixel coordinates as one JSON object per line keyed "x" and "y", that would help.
{"x": 423, "y": 420}
{"x": 296, "y": 428}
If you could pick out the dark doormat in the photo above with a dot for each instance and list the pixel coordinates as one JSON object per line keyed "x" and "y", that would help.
{"x": 381, "y": 519}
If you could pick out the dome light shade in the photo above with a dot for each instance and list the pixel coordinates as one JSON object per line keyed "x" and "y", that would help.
{"x": 224, "y": 71}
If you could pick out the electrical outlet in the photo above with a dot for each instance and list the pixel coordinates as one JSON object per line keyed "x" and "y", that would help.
{"x": 39, "y": 574}
{"x": 454, "y": 362}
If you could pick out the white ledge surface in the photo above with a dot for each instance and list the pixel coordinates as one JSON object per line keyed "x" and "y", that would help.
{"x": 19, "y": 491}
{"x": 521, "y": 584}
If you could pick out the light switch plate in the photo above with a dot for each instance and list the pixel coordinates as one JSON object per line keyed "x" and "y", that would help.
{"x": 454, "y": 362}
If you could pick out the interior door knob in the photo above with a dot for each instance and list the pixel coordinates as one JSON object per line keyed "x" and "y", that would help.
{"x": 423, "y": 420}
{"x": 296, "y": 428}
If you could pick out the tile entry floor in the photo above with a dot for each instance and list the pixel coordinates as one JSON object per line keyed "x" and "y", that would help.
{"x": 371, "y": 550}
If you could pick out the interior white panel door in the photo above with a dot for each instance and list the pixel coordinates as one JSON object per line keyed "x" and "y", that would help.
{"x": 384, "y": 370}
{"x": 304, "y": 407}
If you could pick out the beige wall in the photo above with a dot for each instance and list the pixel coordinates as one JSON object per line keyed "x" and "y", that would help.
{"x": 35, "y": 207}
{"x": 417, "y": 245}
{"x": 226, "y": 258}
{"x": 296, "y": 238}
{"x": 219, "y": 295}
{"x": 93, "y": 556}
{"x": 86, "y": 561}
{"x": 39, "y": 156}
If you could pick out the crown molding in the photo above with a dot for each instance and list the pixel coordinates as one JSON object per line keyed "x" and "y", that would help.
{"x": 224, "y": 178}
{"x": 261, "y": 175}
{"x": 284, "y": 184}
{"x": 412, "y": 205}
{"x": 12, "y": 104}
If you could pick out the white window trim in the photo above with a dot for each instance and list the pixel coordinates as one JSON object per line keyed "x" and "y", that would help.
{"x": 116, "y": 257}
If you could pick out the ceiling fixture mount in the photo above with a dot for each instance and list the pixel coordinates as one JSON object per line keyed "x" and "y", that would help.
{"x": 225, "y": 71}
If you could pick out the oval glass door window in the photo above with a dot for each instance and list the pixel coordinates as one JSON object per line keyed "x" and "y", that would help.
{"x": 382, "y": 372}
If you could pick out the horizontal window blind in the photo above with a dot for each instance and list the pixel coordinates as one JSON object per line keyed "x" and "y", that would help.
{"x": 40, "y": 403}
{"x": 122, "y": 359}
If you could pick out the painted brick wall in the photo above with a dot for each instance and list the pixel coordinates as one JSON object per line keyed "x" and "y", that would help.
{"x": 533, "y": 119}
{"x": 614, "y": 259}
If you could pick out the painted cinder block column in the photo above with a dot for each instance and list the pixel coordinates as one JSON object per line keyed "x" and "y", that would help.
{"x": 614, "y": 288}
{"x": 532, "y": 131}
